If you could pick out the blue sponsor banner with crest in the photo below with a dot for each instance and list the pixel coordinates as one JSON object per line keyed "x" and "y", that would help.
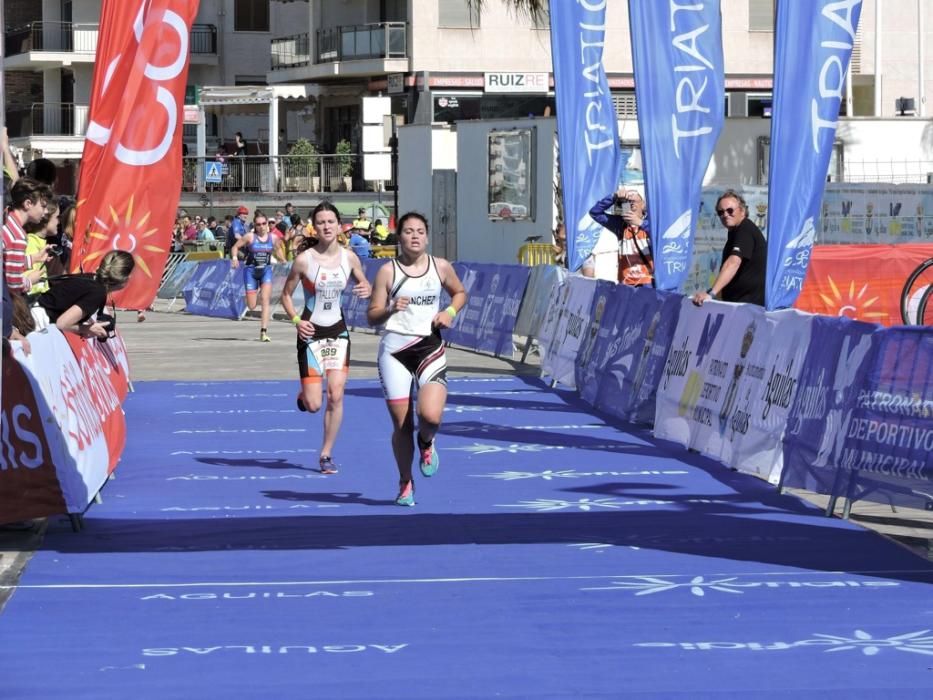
{"x": 679, "y": 85}
{"x": 834, "y": 370}
{"x": 487, "y": 320}
{"x": 635, "y": 353}
{"x": 354, "y": 307}
{"x": 813, "y": 45}
{"x": 587, "y": 132}
{"x": 606, "y": 307}
{"x": 216, "y": 289}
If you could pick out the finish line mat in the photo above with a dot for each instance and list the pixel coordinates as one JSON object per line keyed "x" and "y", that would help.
{"x": 553, "y": 555}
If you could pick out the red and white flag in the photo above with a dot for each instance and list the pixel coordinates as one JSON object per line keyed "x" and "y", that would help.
{"x": 131, "y": 169}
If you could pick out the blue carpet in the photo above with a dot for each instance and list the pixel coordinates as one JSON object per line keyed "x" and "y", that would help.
{"x": 554, "y": 555}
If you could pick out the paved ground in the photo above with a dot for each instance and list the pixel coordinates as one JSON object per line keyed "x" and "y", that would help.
{"x": 180, "y": 347}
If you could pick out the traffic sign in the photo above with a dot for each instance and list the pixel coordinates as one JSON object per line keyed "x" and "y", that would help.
{"x": 213, "y": 172}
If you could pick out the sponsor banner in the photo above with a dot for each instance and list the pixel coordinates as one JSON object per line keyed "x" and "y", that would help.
{"x": 607, "y": 307}
{"x": 547, "y": 338}
{"x": 888, "y": 437}
{"x": 863, "y": 282}
{"x": 74, "y": 412}
{"x": 29, "y": 486}
{"x": 354, "y": 308}
{"x": 812, "y": 46}
{"x": 216, "y": 289}
{"x": 636, "y": 353}
{"x": 173, "y": 285}
{"x": 105, "y": 388}
{"x": 876, "y": 213}
{"x": 560, "y": 360}
{"x": 729, "y": 381}
{"x": 486, "y": 322}
{"x": 678, "y": 60}
{"x": 834, "y": 369}
{"x": 587, "y": 132}
{"x": 543, "y": 283}
{"x": 131, "y": 165}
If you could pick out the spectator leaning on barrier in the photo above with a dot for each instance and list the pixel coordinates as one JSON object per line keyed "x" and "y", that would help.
{"x": 237, "y": 228}
{"x": 28, "y": 200}
{"x": 75, "y": 303}
{"x": 37, "y": 240}
{"x": 623, "y": 213}
{"x": 744, "y": 257}
{"x": 560, "y": 245}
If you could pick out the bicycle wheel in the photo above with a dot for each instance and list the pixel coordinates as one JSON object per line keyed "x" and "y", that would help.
{"x": 918, "y": 284}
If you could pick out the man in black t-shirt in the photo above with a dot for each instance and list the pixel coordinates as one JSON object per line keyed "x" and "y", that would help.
{"x": 744, "y": 257}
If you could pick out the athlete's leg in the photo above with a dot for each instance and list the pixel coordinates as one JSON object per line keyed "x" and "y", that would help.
{"x": 311, "y": 394}
{"x": 249, "y": 282}
{"x": 333, "y": 414}
{"x": 432, "y": 398}
{"x": 265, "y": 293}
{"x": 403, "y": 436}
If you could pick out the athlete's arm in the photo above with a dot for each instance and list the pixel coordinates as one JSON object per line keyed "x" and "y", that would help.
{"x": 278, "y": 251}
{"x": 299, "y": 267}
{"x": 454, "y": 287}
{"x": 362, "y": 288}
{"x": 243, "y": 240}
{"x": 379, "y": 307}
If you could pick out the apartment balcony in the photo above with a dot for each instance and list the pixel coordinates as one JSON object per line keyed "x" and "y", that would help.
{"x": 349, "y": 51}
{"x": 41, "y": 45}
{"x": 46, "y": 119}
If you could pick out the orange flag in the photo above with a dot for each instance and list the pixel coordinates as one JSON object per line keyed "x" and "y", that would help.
{"x": 130, "y": 177}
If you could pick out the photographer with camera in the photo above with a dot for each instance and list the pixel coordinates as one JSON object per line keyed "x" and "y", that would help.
{"x": 623, "y": 213}
{"x": 75, "y": 303}
{"x": 40, "y": 237}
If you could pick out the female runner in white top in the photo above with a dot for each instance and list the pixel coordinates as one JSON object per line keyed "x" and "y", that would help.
{"x": 406, "y": 298}
{"x": 323, "y": 340}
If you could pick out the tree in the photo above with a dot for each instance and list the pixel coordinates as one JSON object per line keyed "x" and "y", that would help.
{"x": 531, "y": 8}
{"x": 344, "y": 158}
{"x": 302, "y": 158}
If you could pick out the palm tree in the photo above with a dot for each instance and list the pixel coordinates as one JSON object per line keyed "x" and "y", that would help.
{"x": 532, "y": 8}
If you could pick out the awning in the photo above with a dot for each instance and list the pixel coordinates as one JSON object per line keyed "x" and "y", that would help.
{"x": 228, "y": 95}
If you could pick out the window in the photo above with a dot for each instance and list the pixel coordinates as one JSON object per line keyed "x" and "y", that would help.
{"x": 457, "y": 14}
{"x": 761, "y": 15}
{"x": 251, "y": 16}
{"x": 835, "y": 171}
{"x": 758, "y": 104}
{"x": 511, "y": 174}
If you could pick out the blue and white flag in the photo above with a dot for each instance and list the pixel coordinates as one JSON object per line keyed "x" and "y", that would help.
{"x": 812, "y": 47}
{"x": 680, "y": 88}
{"x": 587, "y": 131}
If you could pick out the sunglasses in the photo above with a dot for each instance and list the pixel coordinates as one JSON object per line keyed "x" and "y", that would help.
{"x": 728, "y": 210}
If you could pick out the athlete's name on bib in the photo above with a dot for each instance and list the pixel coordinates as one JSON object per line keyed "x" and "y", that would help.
{"x": 423, "y": 300}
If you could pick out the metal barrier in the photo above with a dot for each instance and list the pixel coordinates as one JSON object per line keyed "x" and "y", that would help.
{"x": 536, "y": 254}
{"x": 382, "y": 251}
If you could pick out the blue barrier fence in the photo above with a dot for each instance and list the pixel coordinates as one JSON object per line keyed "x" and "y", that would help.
{"x": 854, "y": 417}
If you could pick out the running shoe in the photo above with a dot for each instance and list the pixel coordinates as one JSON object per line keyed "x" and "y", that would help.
{"x": 430, "y": 460}
{"x": 406, "y": 494}
{"x": 264, "y": 337}
{"x": 327, "y": 466}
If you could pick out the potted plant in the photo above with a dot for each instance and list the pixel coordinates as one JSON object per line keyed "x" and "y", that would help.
{"x": 301, "y": 166}
{"x": 345, "y": 163}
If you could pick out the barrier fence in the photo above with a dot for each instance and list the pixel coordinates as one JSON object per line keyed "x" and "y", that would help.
{"x": 835, "y": 406}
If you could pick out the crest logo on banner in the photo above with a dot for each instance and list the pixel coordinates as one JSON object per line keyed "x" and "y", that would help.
{"x": 812, "y": 47}
{"x": 679, "y": 83}
{"x": 586, "y": 120}
{"x": 131, "y": 167}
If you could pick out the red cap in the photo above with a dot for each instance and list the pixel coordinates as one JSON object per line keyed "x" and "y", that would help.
{"x": 242, "y": 210}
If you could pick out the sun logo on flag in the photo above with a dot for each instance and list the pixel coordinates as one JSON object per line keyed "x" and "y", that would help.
{"x": 126, "y": 234}
{"x": 851, "y": 305}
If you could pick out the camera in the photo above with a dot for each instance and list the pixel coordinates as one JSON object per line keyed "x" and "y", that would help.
{"x": 109, "y": 323}
{"x": 55, "y": 250}
{"x": 621, "y": 206}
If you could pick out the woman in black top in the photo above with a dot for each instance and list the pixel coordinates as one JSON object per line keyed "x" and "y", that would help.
{"x": 73, "y": 300}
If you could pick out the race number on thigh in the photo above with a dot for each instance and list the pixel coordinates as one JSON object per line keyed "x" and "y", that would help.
{"x": 330, "y": 353}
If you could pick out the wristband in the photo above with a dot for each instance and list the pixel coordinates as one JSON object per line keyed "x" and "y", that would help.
{"x": 452, "y": 311}
{"x": 711, "y": 292}
{"x": 296, "y": 319}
